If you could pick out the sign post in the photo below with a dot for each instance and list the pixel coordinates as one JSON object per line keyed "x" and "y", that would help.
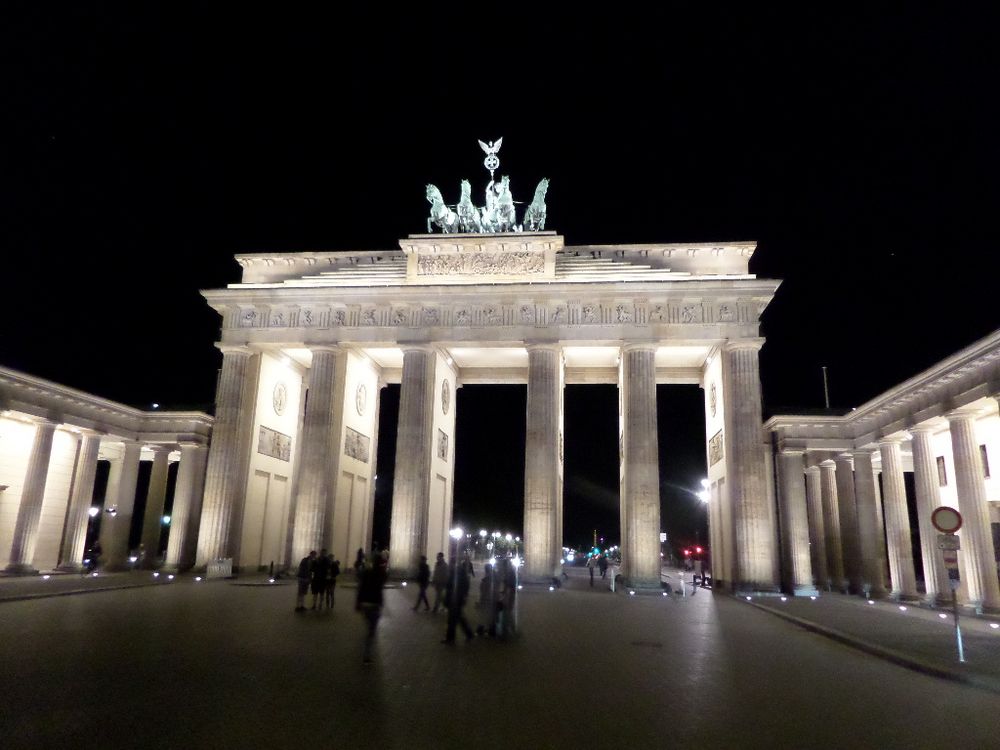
{"x": 948, "y": 521}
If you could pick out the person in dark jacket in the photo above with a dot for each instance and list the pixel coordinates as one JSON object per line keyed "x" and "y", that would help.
{"x": 440, "y": 580}
{"x": 369, "y": 602}
{"x": 455, "y": 597}
{"x": 304, "y": 575}
{"x": 320, "y": 573}
{"x": 423, "y": 580}
{"x": 331, "y": 580}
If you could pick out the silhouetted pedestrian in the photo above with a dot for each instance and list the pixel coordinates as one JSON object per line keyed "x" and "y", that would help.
{"x": 369, "y": 602}
{"x": 320, "y": 571}
{"x": 455, "y": 597}
{"x": 423, "y": 581}
{"x": 602, "y": 563}
{"x": 331, "y": 580}
{"x": 440, "y": 580}
{"x": 591, "y": 564}
{"x": 359, "y": 562}
{"x": 304, "y": 575}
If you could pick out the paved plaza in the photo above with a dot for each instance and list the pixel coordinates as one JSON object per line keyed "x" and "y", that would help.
{"x": 186, "y": 664}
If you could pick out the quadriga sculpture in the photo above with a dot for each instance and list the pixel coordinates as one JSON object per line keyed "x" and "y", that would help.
{"x": 534, "y": 215}
{"x": 468, "y": 214}
{"x": 441, "y": 215}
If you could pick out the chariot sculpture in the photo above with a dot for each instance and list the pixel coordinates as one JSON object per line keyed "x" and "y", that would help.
{"x": 499, "y": 214}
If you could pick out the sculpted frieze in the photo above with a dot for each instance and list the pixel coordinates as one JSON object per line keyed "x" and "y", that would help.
{"x": 481, "y": 264}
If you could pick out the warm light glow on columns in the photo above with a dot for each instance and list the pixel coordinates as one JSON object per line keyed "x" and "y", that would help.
{"x": 980, "y": 568}
{"x": 542, "y": 485}
{"x": 81, "y": 497}
{"x": 640, "y": 467}
{"x": 870, "y": 533}
{"x": 794, "y": 522}
{"x": 817, "y": 534}
{"x": 320, "y": 437}
{"x": 756, "y": 541}
{"x": 187, "y": 506}
{"x": 414, "y": 442}
{"x": 848, "y": 514}
{"x": 121, "y": 494}
{"x": 156, "y": 496}
{"x": 897, "y": 521}
{"x": 22, "y": 551}
{"x": 925, "y": 481}
{"x": 229, "y": 454}
{"x": 831, "y": 525}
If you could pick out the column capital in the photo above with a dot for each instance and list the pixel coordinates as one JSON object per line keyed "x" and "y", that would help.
{"x": 234, "y": 349}
{"x": 158, "y": 448}
{"x": 422, "y": 348}
{"x": 828, "y": 464}
{"x": 792, "y": 451}
{"x": 963, "y": 413}
{"x": 642, "y": 346}
{"x": 844, "y": 458}
{"x": 855, "y": 452}
{"x": 732, "y": 345}
{"x": 891, "y": 440}
{"x": 812, "y": 469}
{"x": 331, "y": 348}
{"x": 921, "y": 429}
{"x": 190, "y": 444}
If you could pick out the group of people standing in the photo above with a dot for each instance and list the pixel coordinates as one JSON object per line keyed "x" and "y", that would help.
{"x": 451, "y": 582}
{"x": 317, "y": 573}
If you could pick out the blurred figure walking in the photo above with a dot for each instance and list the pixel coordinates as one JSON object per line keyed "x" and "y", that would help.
{"x": 369, "y": 602}
{"x": 423, "y": 580}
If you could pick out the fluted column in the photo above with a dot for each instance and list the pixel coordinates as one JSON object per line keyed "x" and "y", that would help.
{"x": 817, "y": 534}
{"x": 925, "y": 480}
{"x": 847, "y": 507}
{"x": 82, "y": 495}
{"x": 897, "y": 522}
{"x": 156, "y": 497}
{"x": 640, "y": 467}
{"x": 870, "y": 533}
{"x": 980, "y": 567}
{"x": 22, "y": 551}
{"x": 542, "y": 495}
{"x": 411, "y": 488}
{"x": 831, "y": 525}
{"x": 226, "y": 475}
{"x": 794, "y": 522}
{"x": 120, "y": 497}
{"x": 319, "y": 444}
{"x": 756, "y": 542}
{"x": 187, "y": 506}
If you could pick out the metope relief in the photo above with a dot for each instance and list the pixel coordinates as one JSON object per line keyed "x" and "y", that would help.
{"x": 715, "y": 449}
{"x": 274, "y": 444}
{"x": 356, "y": 445}
{"x": 481, "y": 264}
{"x": 442, "y": 445}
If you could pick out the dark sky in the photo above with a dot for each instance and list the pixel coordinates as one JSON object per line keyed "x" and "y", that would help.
{"x": 144, "y": 147}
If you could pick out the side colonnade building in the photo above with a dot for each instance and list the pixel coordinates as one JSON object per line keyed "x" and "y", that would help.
{"x": 841, "y": 489}
{"x": 310, "y": 339}
{"x": 51, "y": 440}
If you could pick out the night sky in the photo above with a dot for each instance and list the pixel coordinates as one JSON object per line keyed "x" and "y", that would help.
{"x": 143, "y": 148}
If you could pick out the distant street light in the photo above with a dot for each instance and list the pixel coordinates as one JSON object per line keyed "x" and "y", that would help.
{"x": 94, "y": 510}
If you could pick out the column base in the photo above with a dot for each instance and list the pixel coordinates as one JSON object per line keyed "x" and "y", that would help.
{"x": 72, "y": 568}
{"x": 899, "y": 596}
{"x": 750, "y": 587}
{"x": 20, "y": 569}
{"x": 939, "y": 599}
{"x": 805, "y": 590}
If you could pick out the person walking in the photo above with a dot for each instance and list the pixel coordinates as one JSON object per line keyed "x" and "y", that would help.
{"x": 423, "y": 580}
{"x": 455, "y": 597}
{"x": 602, "y": 564}
{"x": 320, "y": 572}
{"x": 304, "y": 575}
{"x": 591, "y": 564}
{"x": 331, "y": 580}
{"x": 440, "y": 580}
{"x": 369, "y": 601}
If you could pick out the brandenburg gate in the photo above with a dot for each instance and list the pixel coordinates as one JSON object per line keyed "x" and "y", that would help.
{"x": 309, "y": 339}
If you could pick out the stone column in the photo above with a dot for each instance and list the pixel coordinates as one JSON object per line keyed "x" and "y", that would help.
{"x": 187, "y": 506}
{"x": 925, "y": 480}
{"x": 22, "y": 551}
{"x": 641, "y": 467}
{"x": 411, "y": 490}
{"x": 897, "y": 522}
{"x": 319, "y": 444}
{"x": 156, "y": 497}
{"x": 81, "y": 497}
{"x": 756, "y": 543}
{"x": 980, "y": 567}
{"x": 831, "y": 525}
{"x": 120, "y": 496}
{"x": 870, "y": 534}
{"x": 817, "y": 534}
{"x": 226, "y": 475}
{"x": 542, "y": 496}
{"x": 847, "y": 506}
{"x": 794, "y": 522}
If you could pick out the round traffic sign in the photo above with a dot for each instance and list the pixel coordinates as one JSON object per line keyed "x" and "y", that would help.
{"x": 946, "y": 520}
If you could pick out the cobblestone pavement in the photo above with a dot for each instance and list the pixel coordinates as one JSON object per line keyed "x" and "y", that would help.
{"x": 213, "y": 664}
